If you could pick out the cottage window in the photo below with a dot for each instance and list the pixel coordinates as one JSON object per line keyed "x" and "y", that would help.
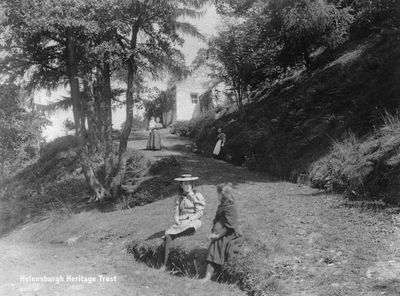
{"x": 194, "y": 97}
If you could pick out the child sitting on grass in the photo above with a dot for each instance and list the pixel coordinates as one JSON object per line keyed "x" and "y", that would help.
{"x": 225, "y": 235}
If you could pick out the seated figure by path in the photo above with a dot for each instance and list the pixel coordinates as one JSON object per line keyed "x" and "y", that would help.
{"x": 225, "y": 236}
{"x": 188, "y": 211}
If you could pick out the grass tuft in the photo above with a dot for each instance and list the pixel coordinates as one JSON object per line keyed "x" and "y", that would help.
{"x": 363, "y": 168}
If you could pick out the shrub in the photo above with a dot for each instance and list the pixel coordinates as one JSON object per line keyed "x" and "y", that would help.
{"x": 371, "y": 13}
{"x": 181, "y": 128}
{"x": 157, "y": 184}
{"x": 310, "y": 24}
{"x": 366, "y": 168}
{"x": 61, "y": 144}
{"x": 192, "y": 128}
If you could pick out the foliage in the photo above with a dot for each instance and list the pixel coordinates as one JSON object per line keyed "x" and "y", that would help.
{"x": 138, "y": 122}
{"x": 162, "y": 102}
{"x": 182, "y": 128}
{"x": 245, "y": 56}
{"x": 363, "y": 168}
{"x": 50, "y": 150}
{"x": 261, "y": 39}
{"x": 51, "y": 183}
{"x": 369, "y": 15}
{"x": 84, "y": 43}
{"x": 150, "y": 182}
{"x": 311, "y": 24}
{"x": 191, "y": 128}
{"x": 69, "y": 126}
{"x": 291, "y": 124}
{"x": 20, "y": 130}
{"x": 245, "y": 269}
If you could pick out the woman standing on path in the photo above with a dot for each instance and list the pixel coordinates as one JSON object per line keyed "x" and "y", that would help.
{"x": 188, "y": 211}
{"x": 218, "y": 149}
{"x": 154, "y": 142}
{"x": 225, "y": 236}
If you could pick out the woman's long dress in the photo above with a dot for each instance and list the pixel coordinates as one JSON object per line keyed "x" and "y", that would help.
{"x": 188, "y": 210}
{"x": 154, "y": 142}
{"x": 226, "y": 246}
{"x": 218, "y": 153}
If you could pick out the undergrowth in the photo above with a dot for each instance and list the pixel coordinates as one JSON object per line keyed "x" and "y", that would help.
{"x": 366, "y": 168}
{"x": 289, "y": 125}
{"x": 157, "y": 183}
{"x": 247, "y": 269}
{"x": 54, "y": 186}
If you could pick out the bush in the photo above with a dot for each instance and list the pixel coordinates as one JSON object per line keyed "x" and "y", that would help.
{"x": 365, "y": 168}
{"x": 153, "y": 184}
{"x": 192, "y": 128}
{"x": 61, "y": 144}
{"x": 53, "y": 183}
{"x": 181, "y": 128}
{"x": 370, "y": 14}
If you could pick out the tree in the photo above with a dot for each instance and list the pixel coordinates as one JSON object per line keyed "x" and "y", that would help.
{"x": 311, "y": 24}
{"x": 83, "y": 43}
{"x": 20, "y": 130}
{"x": 246, "y": 54}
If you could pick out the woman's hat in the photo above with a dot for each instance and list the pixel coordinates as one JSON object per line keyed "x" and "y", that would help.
{"x": 186, "y": 177}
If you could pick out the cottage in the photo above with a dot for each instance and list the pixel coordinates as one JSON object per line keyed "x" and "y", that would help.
{"x": 191, "y": 97}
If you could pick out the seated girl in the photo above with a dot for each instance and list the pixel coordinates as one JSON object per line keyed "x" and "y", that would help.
{"x": 188, "y": 211}
{"x": 225, "y": 235}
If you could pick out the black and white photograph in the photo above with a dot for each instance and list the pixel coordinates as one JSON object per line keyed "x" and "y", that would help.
{"x": 200, "y": 147}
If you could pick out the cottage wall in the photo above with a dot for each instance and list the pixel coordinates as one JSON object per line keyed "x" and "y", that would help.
{"x": 198, "y": 84}
{"x": 185, "y": 108}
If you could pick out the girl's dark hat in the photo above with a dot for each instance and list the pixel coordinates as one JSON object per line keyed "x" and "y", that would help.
{"x": 186, "y": 178}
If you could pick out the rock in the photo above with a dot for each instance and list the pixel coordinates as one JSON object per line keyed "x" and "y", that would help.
{"x": 72, "y": 240}
{"x": 301, "y": 232}
{"x": 338, "y": 272}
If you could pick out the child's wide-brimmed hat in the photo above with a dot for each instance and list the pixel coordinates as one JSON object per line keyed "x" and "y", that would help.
{"x": 186, "y": 178}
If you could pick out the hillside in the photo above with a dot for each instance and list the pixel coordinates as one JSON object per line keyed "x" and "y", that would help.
{"x": 299, "y": 241}
{"x": 55, "y": 186}
{"x": 293, "y": 123}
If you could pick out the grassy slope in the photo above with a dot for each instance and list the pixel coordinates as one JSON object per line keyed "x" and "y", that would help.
{"x": 294, "y": 122}
{"x": 311, "y": 243}
{"x": 55, "y": 185}
{"x": 88, "y": 242}
{"x": 363, "y": 168}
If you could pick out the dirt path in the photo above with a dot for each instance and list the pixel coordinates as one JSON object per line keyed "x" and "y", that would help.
{"x": 316, "y": 244}
{"x": 31, "y": 264}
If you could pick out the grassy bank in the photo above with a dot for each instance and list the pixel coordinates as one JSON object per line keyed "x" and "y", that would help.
{"x": 363, "y": 168}
{"x": 54, "y": 186}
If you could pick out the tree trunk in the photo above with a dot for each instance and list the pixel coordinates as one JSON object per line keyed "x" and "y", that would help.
{"x": 120, "y": 170}
{"x": 74, "y": 83}
{"x": 99, "y": 111}
{"x": 106, "y": 103}
{"x": 239, "y": 99}
{"x": 98, "y": 191}
{"x": 94, "y": 146}
{"x": 96, "y": 188}
{"x": 132, "y": 70}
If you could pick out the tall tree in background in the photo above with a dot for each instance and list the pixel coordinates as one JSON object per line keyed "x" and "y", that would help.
{"x": 261, "y": 39}
{"x": 83, "y": 43}
{"x": 246, "y": 49}
{"x": 312, "y": 24}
